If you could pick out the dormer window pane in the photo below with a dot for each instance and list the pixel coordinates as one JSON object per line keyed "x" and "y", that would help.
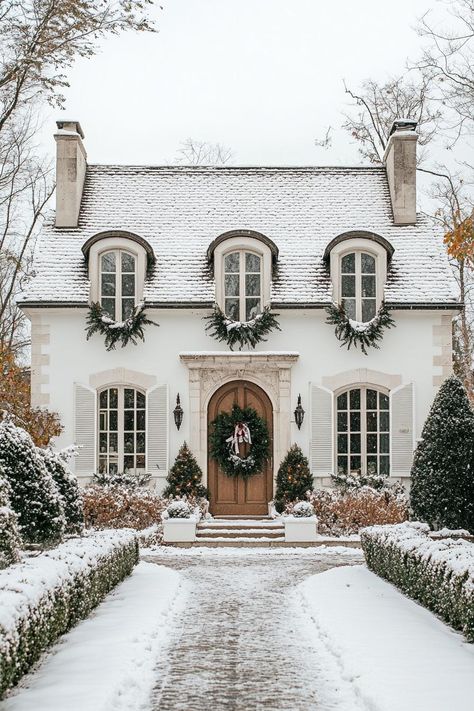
{"x": 252, "y": 284}
{"x": 232, "y": 285}
{"x": 108, "y": 262}
{"x": 358, "y": 286}
{"x": 128, "y": 263}
{"x": 252, "y": 308}
{"x": 348, "y": 264}
{"x": 252, "y": 262}
{"x": 232, "y": 262}
{"x": 367, "y": 263}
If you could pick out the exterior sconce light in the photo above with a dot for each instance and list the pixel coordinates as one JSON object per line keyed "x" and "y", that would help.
{"x": 178, "y": 413}
{"x": 299, "y": 413}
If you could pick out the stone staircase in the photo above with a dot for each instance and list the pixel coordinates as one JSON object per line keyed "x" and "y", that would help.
{"x": 248, "y": 531}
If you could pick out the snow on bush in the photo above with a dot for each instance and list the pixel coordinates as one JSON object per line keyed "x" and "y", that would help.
{"x": 68, "y": 488}
{"x": 437, "y": 573}
{"x": 179, "y": 509}
{"x": 10, "y": 540}
{"x": 34, "y": 495}
{"x": 45, "y": 596}
{"x": 303, "y": 509}
{"x": 121, "y": 507}
{"x": 131, "y": 481}
{"x": 342, "y": 513}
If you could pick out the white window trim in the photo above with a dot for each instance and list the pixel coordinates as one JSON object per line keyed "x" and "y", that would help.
{"x": 120, "y": 387}
{"x": 358, "y": 245}
{"x": 109, "y": 244}
{"x": 243, "y": 244}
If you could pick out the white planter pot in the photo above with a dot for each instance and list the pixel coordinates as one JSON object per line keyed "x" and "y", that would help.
{"x": 178, "y": 530}
{"x": 300, "y": 529}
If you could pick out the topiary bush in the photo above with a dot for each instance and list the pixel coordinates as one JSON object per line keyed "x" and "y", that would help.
{"x": 302, "y": 509}
{"x": 442, "y": 476}
{"x": 33, "y": 494}
{"x": 10, "y": 539}
{"x": 179, "y": 509}
{"x": 68, "y": 488}
{"x": 185, "y": 476}
{"x": 294, "y": 479}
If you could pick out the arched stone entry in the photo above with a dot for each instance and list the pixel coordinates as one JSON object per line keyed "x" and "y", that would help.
{"x": 236, "y": 496}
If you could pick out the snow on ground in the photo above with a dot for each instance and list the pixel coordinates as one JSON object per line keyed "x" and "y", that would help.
{"x": 107, "y": 662}
{"x": 397, "y": 654}
{"x": 243, "y": 551}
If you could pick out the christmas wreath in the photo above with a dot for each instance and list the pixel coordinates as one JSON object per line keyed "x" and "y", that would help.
{"x": 231, "y": 431}
{"x": 354, "y": 333}
{"x": 98, "y": 321}
{"x": 244, "y": 333}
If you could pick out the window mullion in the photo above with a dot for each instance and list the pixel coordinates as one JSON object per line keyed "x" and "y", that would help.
{"x": 358, "y": 287}
{"x": 363, "y": 429}
{"x": 242, "y": 286}
{"x": 120, "y": 426}
{"x": 118, "y": 286}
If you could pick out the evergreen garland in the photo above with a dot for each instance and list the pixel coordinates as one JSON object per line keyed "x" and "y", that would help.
{"x": 353, "y": 333}
{"x": 294, "y": 479}
{"x": 219, "y": 449}
{"x": 244, "y": 333}
{"x": 124, "y": 332}
{"x": 184, "y": 478}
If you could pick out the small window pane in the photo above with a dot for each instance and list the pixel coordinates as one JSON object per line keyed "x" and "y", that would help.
{"x": 129, "y": 398}
{"x": 368, "y": 310}
{"x": 103, "y": 398}
{"x": 355, "y": 399}
{"x": 102, "y": 421}
{"x": 348, "y": 286}
{"x": 232, "y": 309}
{"x": 368, "y": 286}
{"x": 113, "y": 442}
{"x": 355, "y": 443}
{"x": 140, "y": 419}
{"x": 140, "y": 442}
{"x": 128, "y": 306}
{"x": 348, "y": 264}
{"x": 113, "y": 397}
{"x": 371, "y": 465}
{"x": 342, "y": 421}
{"x": 252, "y": 263}
{"x": 367, "y": 264}
{"x": 128, "y": 442}
{"x": 128, "y": 262}
{"x": 342, "y": 465}
{"x": 108, "y": 262}
{"x": 252, "y": 284}
{"x": 371, "y": 399}
{"x": 252, "y": 308}
{"x": 371, "y": 422}
{"x": 350, "y": 308}
{"x": 103, "y": 442}
{"x": 384, "y": 401}
{"x": 128, "y": 463}
{"x": 128, "y": 284}
{"x": 384, "y": 443}
{"x": 141, "y": 461}
{"x": 384, "y": 421}
{"x": 109, "y": 307}
{"x": 232, "y": 262}
{"x": 129, "y": 420}
{"x": 231, "y": 282}
{"x": 372, "y": 444}
{"x": 355, "y": 421}
{"x": 355, "y": 465}
{"x": 384, "y": 466}
{"x": 113, "y": 421}
{"x": 342, "y": 443}
{"x": 342, "y": 401}
{"x": 108, "y": 284}
{"x": 140, "y": 399}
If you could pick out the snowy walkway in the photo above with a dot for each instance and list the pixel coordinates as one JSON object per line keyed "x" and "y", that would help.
{"x": 240, "y": 644}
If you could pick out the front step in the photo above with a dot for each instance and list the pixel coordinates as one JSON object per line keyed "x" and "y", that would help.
{"x": 236, "y": 530}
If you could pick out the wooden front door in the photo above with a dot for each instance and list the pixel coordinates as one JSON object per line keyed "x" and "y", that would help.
{"x": 234, "y": 496}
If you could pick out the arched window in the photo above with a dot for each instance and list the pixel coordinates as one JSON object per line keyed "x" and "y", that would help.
{"x": 363, "y": 431}
{"x": 358, "y": 285}
{"x": 118, "y": 283}
{"x": 122, "y": 430}
{"x": 242, "y": 285}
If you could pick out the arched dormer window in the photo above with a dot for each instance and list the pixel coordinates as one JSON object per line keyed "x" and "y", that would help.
{"x": 358, "y": 265}
{"x": 243, "y": 272}
{"x": 117, "y": 270}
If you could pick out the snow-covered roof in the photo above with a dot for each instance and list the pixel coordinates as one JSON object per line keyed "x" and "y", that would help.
{"x": 179, "y": 211}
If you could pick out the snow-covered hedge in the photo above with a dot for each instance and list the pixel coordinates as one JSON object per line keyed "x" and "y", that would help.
{"x": 45, "y": 596}
{"x": 437, "y": 573}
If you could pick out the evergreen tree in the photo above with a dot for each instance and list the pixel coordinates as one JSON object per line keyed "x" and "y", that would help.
{"x": 10, "y": 540}
{"x": 184, "y": 478}
{"x": 68, "y": 488}
{"x": 442, "y": 490}
{"x": 293, "y": 479}
{"x": 34, "y": 495}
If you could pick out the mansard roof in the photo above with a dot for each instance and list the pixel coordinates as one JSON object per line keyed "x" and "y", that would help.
{"x": 180, "y": 211}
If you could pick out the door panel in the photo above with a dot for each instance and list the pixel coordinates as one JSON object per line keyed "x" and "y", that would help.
{"x": 236, "y": 496}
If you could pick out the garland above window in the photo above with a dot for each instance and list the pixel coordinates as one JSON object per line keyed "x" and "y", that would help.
{"x": 124, "y": 332}
{"x": 231, "y": 433}
{"x": 244, "y": 333}
{"x": 355, "y": 333}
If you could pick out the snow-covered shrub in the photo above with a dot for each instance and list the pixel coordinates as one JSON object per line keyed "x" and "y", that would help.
{"x": 342, "y": 513}
{"x": 131, "y": 481}
{"x": 303, "y": 509}
{"x": 437, "y": 573}
{"x": 294, "y": 479}
{"x": 68, "y": 488}
{"x": 179, "y": 509}
{"x": 10, "y": 540}
{"x": 34, "y": 495}
{"x": 121, "y": 507}
{"x": 45, "y": 596}
{"x": 351, "y": 482}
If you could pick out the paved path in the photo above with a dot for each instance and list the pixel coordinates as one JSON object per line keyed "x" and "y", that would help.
{"x": 240, "y": 642}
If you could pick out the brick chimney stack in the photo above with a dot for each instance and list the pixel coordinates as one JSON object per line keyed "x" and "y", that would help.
{"x": 71, "y": 163}
{"x": 400, "y": 162}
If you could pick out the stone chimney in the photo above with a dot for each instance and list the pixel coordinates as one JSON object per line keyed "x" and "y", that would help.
{"x": 71, "y": 163}
{"x": 400, "y": 162}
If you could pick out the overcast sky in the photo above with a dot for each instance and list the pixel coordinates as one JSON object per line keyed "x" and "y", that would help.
{"x": 263, "y": 77}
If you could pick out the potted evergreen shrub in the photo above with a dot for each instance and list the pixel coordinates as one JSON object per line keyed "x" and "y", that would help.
{"x": 301, "y": 526}
{"x": 179, "y": 523}
{"x": 294, "y": 481}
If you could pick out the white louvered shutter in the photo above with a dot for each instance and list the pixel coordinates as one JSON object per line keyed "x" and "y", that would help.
{"x": 157, "y": 430}
{"x": 322, "y": 445}
{"x": 85, "y": 429}
{"x": 402, "y": 429}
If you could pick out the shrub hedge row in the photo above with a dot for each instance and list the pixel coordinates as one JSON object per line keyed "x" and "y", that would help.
{"x": 43, "y": 597}
{"x": 437, "y": 573}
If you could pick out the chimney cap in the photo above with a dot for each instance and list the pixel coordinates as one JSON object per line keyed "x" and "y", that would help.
{"x": 403, "y": 124}
{"x": 69, "y": 125}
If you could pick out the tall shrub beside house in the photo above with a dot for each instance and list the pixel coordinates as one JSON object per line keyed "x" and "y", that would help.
{"x": 442, "y": 490}
{"x": 10, "y": 541}
{"x": 34, "y": 495}
{"x": 68, "y": 489}
{"x": 185, "y": 476}
{"x": 294, "y": 479}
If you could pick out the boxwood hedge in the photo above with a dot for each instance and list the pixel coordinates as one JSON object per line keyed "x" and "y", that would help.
{"x": 45, "y": 596}
{"x": 439, "y": 574}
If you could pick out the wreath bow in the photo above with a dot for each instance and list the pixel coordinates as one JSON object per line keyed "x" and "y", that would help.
{"x": 241, "y": 435}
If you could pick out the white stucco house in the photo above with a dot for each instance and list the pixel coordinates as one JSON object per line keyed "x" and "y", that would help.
{"x": 293, "y": 239}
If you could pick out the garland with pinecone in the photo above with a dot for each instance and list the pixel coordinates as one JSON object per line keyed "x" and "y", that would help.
{"x": 124, "y": 332}
{"x": 244, "y": 333}
{"x": 231, "y": 432}
{"x": 354, "y": 333}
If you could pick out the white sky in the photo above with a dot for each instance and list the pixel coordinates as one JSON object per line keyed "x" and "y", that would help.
{"x": 263, "y": 77}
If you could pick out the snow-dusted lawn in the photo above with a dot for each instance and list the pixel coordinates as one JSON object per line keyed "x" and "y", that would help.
{"x": 397, "y": 655}
{"x": 107, "y": 662}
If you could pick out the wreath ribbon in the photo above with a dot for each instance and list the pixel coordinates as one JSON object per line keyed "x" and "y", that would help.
{"x": 241, "y": 435}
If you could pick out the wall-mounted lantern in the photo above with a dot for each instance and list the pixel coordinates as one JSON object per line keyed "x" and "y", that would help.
{"x": 178, "y": 413}
{"x": 299, "y": 413}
